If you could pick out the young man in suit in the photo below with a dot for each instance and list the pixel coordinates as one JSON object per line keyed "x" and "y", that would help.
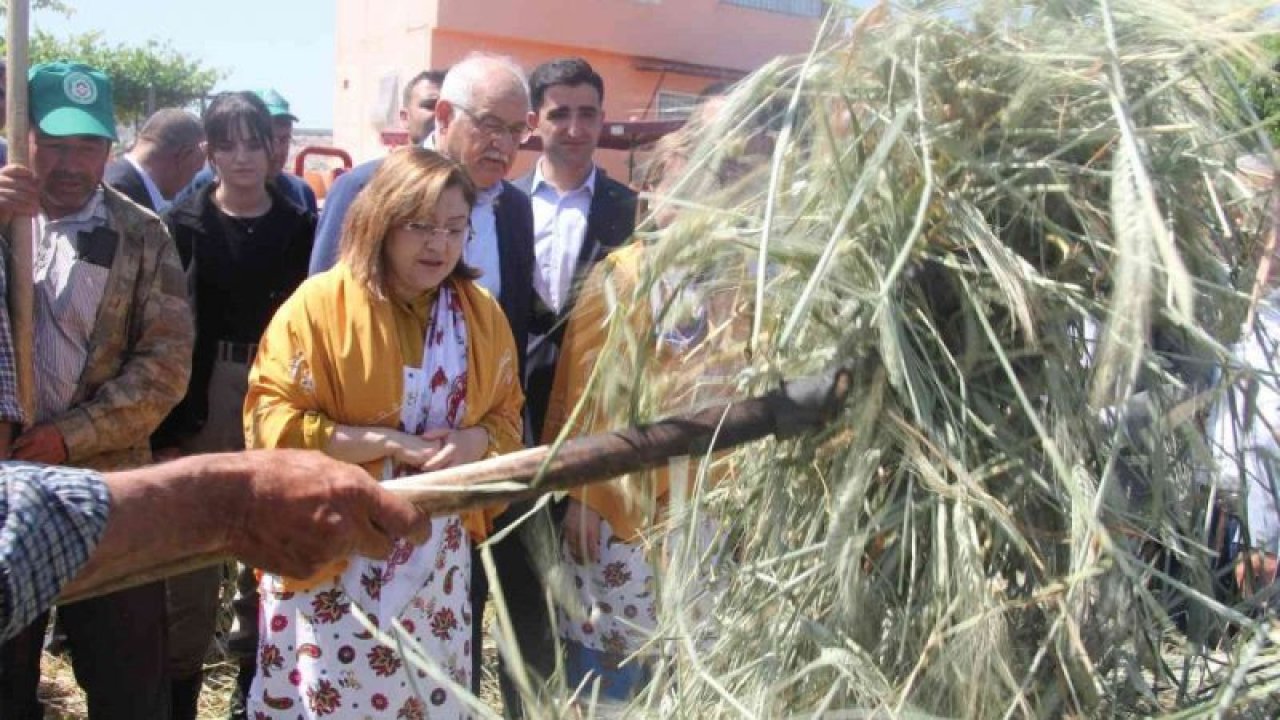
{"x": 163, "y": 160}
{"x": 579, "y": 213}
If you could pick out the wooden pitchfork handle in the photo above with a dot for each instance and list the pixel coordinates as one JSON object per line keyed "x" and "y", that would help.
{"x": 794, "y": 408}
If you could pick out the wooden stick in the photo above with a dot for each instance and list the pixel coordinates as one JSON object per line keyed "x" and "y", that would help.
{"x": 795, "y": 408}
{"x": 20, "y": 265}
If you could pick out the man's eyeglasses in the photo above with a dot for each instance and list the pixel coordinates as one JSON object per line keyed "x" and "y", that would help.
{"x": 496, "y": 128}
{"x": 454, "y": 234}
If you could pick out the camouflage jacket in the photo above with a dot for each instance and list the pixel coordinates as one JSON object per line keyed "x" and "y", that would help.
{"x": 140, "y": 353}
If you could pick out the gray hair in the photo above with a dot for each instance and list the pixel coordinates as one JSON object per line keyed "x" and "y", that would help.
{"x": 460, "y": 83}
{"x": 172, "y": 129}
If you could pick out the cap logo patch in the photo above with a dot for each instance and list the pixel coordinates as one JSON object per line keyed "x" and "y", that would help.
{"x": 80, "y": 88}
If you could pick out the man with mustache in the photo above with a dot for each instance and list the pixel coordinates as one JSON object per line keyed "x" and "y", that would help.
{"x": 481, "y": 121}
{"x": 113, "y": 341}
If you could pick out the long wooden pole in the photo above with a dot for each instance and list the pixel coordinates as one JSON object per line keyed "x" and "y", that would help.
{"x": 20, "y": 265}
{"x": 794, "y": 408}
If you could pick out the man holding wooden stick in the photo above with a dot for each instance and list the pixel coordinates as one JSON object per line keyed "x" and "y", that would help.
{"x": 113, "y": 338}
{"x": 285, "y": 511}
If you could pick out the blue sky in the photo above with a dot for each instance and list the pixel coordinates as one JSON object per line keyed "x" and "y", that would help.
{"x": 285, "y": 44}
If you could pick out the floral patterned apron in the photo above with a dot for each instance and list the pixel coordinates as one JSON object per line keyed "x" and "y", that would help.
{"x": 316, "y": 658}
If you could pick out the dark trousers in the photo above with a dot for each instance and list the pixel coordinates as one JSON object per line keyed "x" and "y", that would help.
{"x": 117, "y": 645}
{"x": 193, "y": 617}
{"x": 517, "y": 559}
{"x": 242, "y": 644}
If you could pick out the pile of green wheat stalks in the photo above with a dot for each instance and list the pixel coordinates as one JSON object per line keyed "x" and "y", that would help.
{"x": 1024, "y": 225}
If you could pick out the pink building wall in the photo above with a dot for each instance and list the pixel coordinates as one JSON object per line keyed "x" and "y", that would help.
{"x": 383, "y": 43}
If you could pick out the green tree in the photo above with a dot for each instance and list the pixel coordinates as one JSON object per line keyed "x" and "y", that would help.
{"x": 59, "y": 6}
{"x": 144, "y": 77}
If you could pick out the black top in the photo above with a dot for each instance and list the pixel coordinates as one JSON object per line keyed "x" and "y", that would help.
{"x": 241, "y": 270}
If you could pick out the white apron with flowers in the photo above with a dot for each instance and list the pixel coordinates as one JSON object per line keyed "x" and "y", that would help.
{"x": 613, "y": 610}
{"x": 315, "y": 658}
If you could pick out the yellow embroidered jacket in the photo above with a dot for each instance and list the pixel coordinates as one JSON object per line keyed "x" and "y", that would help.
{"x": 335, "y": 353}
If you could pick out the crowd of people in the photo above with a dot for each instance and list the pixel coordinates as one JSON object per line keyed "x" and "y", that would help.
{"x": 199, "y": 327}
{"x": 192, "y": 303}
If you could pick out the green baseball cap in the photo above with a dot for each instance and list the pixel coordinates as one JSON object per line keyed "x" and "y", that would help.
{"x": 276, "y": 104}
{"x": 71, "y": 99}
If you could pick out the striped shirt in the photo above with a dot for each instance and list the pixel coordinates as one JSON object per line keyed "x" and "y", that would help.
{"x": 51, "y": 519}
{"x": 71, "y": 269}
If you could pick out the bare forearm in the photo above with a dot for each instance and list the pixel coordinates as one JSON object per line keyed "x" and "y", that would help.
{"x": 164, "y": 513}
{"x": 285, "y": 511}
{"x": 359, "y": 444}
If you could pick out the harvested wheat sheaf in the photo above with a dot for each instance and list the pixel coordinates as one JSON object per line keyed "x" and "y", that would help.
{"x": 1023, "y": 224}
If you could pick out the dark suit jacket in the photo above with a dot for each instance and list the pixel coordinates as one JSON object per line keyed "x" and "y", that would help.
{"x": 514, "y": 218}
{"x": 610, "y": 224}
{"x": 122, "y": 176}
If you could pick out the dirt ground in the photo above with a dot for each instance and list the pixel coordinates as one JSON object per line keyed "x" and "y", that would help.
{"x": 63, "y": 699}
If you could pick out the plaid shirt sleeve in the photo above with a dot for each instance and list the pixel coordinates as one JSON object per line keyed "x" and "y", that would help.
{"x": 10, "y": 409}
{"x": 51, "y": 519}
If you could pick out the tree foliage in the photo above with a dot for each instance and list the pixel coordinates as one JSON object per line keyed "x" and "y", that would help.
{"x": 144, "y": 77}
{"x": 58, "y": 6}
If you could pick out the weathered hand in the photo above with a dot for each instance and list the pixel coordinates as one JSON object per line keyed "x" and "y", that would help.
{"x": 304, "y": 509}
{"x": 581, "y": 528}
{"x": 42, "y": 444}
{"x": 19, "y": 193}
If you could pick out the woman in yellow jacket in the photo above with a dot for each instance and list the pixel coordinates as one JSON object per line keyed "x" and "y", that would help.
{"x": 673, "y": 335}
{"x": 396, "y": 360}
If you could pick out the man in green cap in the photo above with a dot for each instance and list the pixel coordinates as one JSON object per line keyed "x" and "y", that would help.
{"x": 282, "y": 120}
{"x": 113, "y": 342}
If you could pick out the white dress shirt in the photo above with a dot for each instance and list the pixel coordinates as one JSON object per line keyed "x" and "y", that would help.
{"x": 559, "y": 228}
{"x": 68, "y": 291}
{"x": 481, "y": 252}
{"x": 157, "y": 200}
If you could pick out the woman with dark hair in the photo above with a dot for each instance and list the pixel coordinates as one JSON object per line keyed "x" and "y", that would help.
{"x": 246, "y": 249}
{"x": 397, "y": 360}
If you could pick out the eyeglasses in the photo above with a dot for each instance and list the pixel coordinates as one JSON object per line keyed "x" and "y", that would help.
{"x": 449, "y": 234}
{"x": 495, "y": 128}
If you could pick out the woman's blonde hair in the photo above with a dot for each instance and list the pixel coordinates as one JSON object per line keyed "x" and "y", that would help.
{"x": 404, "y": 189}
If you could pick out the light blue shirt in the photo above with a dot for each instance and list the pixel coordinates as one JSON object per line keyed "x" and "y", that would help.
{"x": 559, "y": 228}
{"x": 481, "y": 252}
{"x": 51, "y": 519}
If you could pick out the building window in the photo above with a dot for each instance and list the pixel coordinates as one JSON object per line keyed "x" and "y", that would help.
{"x": 801, "y": 8}
{"x": 675, "y": 105}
